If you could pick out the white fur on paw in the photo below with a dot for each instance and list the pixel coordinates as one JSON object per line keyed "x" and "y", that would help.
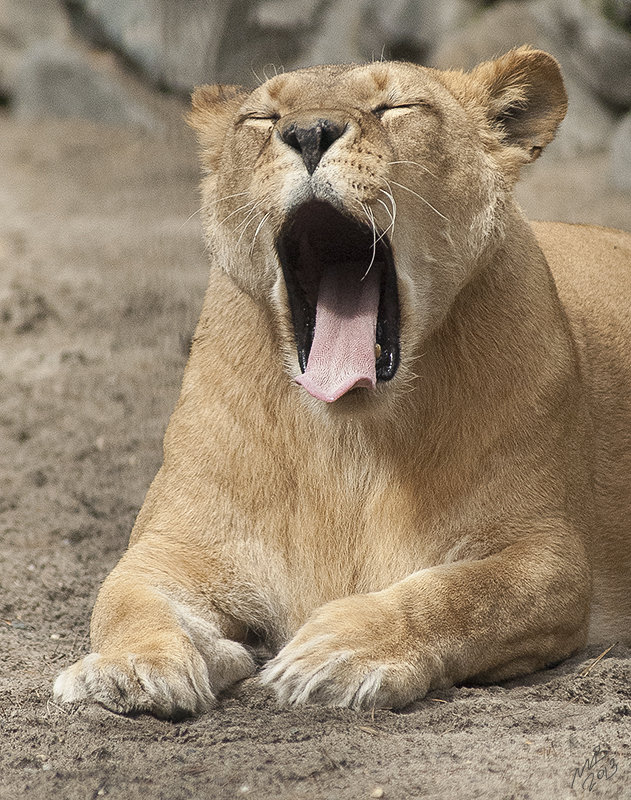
{"x": 167, "y": 687}
{"x": 321, "y": 671}
{"x": 69, "y": 686}
{"x": 130, "y": 683}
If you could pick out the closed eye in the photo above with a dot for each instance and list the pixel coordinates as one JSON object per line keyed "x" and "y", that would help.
{"x": 261, "y": 116}
{"x": 379, "y": 111}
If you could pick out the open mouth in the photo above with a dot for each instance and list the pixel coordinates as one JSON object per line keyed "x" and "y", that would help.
{"x": 342, "y": 289}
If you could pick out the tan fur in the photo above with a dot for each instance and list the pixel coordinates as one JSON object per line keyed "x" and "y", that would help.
{"x": 469, "y": 519}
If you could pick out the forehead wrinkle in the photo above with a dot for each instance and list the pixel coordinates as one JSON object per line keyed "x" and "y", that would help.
{"x": 368, "y": 84}
{"x": 381, "y": 75}
{"x": 322, "y": 77}
{"x": 375, "y": 83}
{"x": 273, "y": 88}
{"x": 293, "y": 94}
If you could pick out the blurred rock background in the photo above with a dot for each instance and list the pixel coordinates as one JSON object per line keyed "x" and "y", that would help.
{"x": 135, "y": 61}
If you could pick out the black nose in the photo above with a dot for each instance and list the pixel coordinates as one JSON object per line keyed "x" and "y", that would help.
{"x": 312, "y": 141}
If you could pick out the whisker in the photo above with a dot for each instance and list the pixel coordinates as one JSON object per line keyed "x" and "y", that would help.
{"x": 227, "y": 197}
{"x": 188, "y": 219}
{"x": 252, "y": 212}
{"x": 416, "y": 194}
{"x": 388, "y": 211}
{"x": 371, "y": 216}
{"x": 381, "y": 58}
{"x": 390, "y": 197}
{"x": 271, "y": 65}
{"x": 416, "y": 164}
{"x": 256, "y": 232}
{"x": 252, "y": 217}
{"x": 236, "y": 211}
{"x": 391, "y": 225}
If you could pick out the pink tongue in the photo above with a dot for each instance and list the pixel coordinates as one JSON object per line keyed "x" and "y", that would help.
{"x": 342, "y": 355}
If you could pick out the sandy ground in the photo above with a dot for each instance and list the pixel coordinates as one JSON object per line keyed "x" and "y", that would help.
{"x": 101, "y": 281}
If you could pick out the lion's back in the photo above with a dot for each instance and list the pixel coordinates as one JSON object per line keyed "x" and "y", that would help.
{"x": 591, "y": 267}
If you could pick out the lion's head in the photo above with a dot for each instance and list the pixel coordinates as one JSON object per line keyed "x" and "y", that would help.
{"x": 359, "y": 200}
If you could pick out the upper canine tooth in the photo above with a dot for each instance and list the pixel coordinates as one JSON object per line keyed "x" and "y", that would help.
{"x": 377, "y": 350}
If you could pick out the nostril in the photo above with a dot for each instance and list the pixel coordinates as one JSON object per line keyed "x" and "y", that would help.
{"x": 312, "y": 141}
{"x": 290, "y": 138}
{"x": 331, "y": 131}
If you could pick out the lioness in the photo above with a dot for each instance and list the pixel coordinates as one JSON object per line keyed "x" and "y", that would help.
{"x": 401, "y": 457}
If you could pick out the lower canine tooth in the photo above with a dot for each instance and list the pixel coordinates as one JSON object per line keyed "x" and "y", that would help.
{"x": 377, "y": 351}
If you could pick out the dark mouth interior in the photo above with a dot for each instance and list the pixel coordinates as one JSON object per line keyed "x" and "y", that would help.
{"x": 318, "y": 235}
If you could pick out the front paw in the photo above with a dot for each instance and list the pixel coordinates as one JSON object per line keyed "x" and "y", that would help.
{"x": 355, "y": 652}
{"x": 170, "y": 683}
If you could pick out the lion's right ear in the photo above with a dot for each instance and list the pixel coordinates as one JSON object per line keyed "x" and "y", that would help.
{"x": 525, "y": 98}
{"x": 212, "y": 109}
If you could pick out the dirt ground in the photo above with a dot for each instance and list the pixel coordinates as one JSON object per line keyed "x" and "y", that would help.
{"x": 101, "y": 280}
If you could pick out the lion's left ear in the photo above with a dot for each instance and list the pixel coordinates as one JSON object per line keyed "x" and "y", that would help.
{"x": 212, "y": 110}
{"x": 524, "y": 98}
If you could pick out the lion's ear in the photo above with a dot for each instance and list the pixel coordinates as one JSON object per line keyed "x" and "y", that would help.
{"x": 212, "y": 109}
{"x": 524, "y": 98}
